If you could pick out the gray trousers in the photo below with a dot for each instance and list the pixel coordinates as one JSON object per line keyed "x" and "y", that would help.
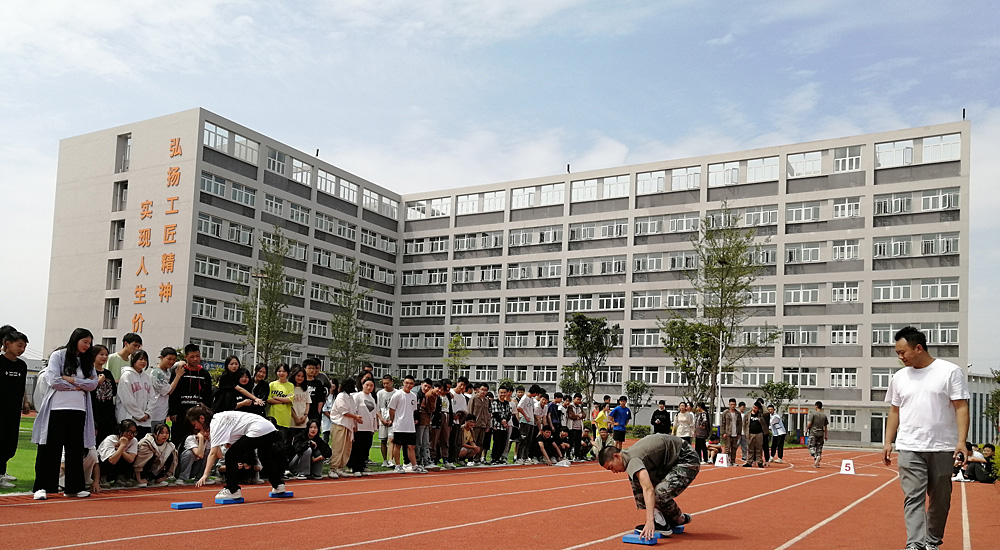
{"x": 190, "y": 466}
{"x": 423, "y": 445}
{"x": 303, "y": 464}
{"x": 925, "y": 477}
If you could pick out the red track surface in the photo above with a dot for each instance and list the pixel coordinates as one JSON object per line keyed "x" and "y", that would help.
{"x": 785, "y": 506}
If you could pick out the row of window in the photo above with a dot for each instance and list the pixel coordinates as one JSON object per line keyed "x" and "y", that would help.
{"x": 808, "y": 164}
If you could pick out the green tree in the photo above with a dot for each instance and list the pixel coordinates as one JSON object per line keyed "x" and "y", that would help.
{"x": 571, "y": 384}
{"x": 350, "y": 348}
{"x": 458, "y": 355}
{"x": 591, "y": 339}
{"x": 726, "y": 264}
{"x": 775, "y": 393}
{"x": 274, "y": 338}
{"x": 992, "y": 409}
{"x": 640, "y": 396}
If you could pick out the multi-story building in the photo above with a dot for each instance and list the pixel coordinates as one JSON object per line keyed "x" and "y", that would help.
{"x": 865, "y": 235}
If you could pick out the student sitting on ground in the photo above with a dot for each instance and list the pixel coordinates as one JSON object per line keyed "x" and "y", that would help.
{"x": 714, "y": 448}
{"x": 308, "y": 451}
{"x": 586, "y": 446}
{"x": 156, "y": 459}
{"x": 547, "y": 448}
{"x": 980, "y": 467}
{"x": 118, "y": 452}
{"x": 604, "y": 439}
{"x": 563, "y": 441}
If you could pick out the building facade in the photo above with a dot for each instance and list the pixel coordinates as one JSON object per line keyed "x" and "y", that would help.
{"x": 864, "y": 235}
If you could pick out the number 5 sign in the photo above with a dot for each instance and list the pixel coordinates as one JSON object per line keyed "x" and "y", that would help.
{"x": 847, "y": 467}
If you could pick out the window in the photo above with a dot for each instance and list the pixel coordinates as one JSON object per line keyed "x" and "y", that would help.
{"x": 298, "y": 213}
{"x": 245, "y": 149}
{"x": 547, "y": 373}
{"x": 209, "y": 225}
{"x": 678, "y": 299}
{"x": 941, "y": 148}
{"x": 848, "y": 249}
{"x": 844, "y": 335}
{"x": 801, "y": 253}
{"x": 939, "y": 199}
{"x": 435, "y": 308}
{"x": 523, "y": 197}
{"x": 243, "y": 194}
{"x": 614, "y": 228}
{"x": 843, "y": 419}
{"x": 884, "y": 291}
{"x": 723, "y": 174}
{"x": 844, "y": 292}
{"x": 464, "y": 274}
{"x": 409, "y": 340}
{"x": 437, "y": 276}
{"x": 215, "y": 137}
{"x": 763, "y": 295}
{"x": 276, "y": 161}
{"x": 381, "y": 339}
{"x": 370, "y": 200}
{"x": 120, "y": 196}
{"x": 687, "y": 259}
{"x": 765, "y": 169}
{"x": 209, "y": 267}
{"x": 325, "y": 181}
{"x": 520, "y": 237}
{"x": 939, "y": 243}
{"x": 232, "y": 312}
{"x": 489, "y": 306}
{"x": 369, "y": 238}
{"x": 467, "y": 204}
{"x": 301, "y": 172}
{"x": 114, "y": 279}
{"x": 800, "y": 335}
{"x": 494, "y": 201}
{"x": 761, "y": 215}
{"x": 579, "y": 302}
{"x": 685, "y": 178}
{"x": 941, "y": 288}
{"x": 642, "y": 263}
{"x": 582, "y": 231}
{"x": 515, "y": 339}
{"x": 546, "y": 338}
{"x": 518, "y": 305}
{"x": 585, "y": 190}
{"x": 410, "y": 309}
{"x": 273, "y": 204}
{"x": 896, "y": 203}
{"x": 651, "y": 225}
{"x": 203, "y": 307}
{"x": 347, "y": 230}
{"x": 799, "y": 376}
{"x": 645, "y": 337}
{"x": 552, "y": 194}
{"x": 461, "y": 307}
{"x": 550, "y": 234}
{"x": 844, "y": 377}
{"x": 612, "y": 375}
{"x": 804, "y": 164}
{"x": 801, "y": 294}
{"x": 292, "y": 323}
{"x": 465, "y": 242}
{"x": 239, "y": 233}
{"x": 438, "y": 244}
{"x": 547, "y": 303}
{"x": 672, "y": 376}
{"x": 348, "y": 191}
{"x": 434, "y": 340}
{"x": 647, "y": 183}
{"x": 320, "y": 292}
{"x": 716, "y": 218}
{"x": 847, "y": 207}
{"x": 802, "y": 212}
{"x": 611, "y": 301}
{"x": 757, "y": 376}
{"x": 412, "y": 246}
{"x": 894, "y": 246}
{"x": 491, "y": 239}
{"x": 297, "y": 251}
{"x": 216, "y": 185}
{"x": 881, "y": 378}
{"x": 612, "y": 264}
{"x": 898, "y": 153}
{"x": 940, "y": 333}
{"x": 649, "y": 375}
{"x": 491, "y": 273}
{"x": 847, "y": 159}
{"x": 646, "y": 300}
{"x": 614, "y": 186}
{"x": 293, "y": 286}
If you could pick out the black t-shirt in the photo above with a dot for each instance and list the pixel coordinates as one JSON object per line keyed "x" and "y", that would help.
{"x": 317, "y": 391}
{"x": 12, "y": 378}
{"x": 755, "y": 427}
{"x": 663, "y": 426}
{"x": 550, "y": 446}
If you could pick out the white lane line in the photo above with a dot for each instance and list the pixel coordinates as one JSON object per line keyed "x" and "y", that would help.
{"x": 323, "y": 516}
{"x": 469, "y": 524}
{"x": 272, "y": 501}
{"x": 966, "y": 535}
{"x": 841, "y": 512}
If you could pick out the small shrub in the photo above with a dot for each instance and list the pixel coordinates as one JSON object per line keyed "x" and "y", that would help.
{"x": 636, "y": 432}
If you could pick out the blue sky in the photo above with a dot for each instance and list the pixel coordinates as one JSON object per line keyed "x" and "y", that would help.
{"x": 443, "y": 93}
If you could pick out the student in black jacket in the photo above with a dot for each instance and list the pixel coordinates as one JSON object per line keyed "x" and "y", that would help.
{"x": 194, "y": 388}
{"x": 308, "y": 452}
{"x": 661, "y": 419}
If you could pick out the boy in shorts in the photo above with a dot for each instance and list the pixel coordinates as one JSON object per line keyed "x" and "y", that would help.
{"x": 620, "y": 416}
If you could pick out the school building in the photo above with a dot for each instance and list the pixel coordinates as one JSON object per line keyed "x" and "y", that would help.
{"x": 158, "y": 227}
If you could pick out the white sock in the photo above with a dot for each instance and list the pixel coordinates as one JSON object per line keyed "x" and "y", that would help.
{"x": 658, "y": 517}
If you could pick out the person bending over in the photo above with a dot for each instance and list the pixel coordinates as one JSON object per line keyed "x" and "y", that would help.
{"x": 659, "y": 467}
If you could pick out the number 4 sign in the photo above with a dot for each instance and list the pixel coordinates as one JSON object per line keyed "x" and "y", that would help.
{"x": 847, "y": 467}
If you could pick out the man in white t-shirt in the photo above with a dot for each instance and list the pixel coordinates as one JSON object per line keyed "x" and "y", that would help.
{"x": 404, "y": 432}
{"x": 929, "y": 422}
{"x": 384, "y": 424}
{"x": 526, "y": 416}
{"x": 460, "y": 408}
{"x": 245, "y": 433}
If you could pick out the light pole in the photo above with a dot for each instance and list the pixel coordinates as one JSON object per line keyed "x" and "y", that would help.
{"x": 256, "y": 323}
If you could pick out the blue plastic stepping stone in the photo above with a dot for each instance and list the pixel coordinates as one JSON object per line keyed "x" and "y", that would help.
{"x": 229, "y": 500}
{"x": 185, "y": 505}
{"x": 286, "y": 494}
{"x": 656, "y": 534}
{"x": 678, "y": 530}
{"x": 633, "y": 538}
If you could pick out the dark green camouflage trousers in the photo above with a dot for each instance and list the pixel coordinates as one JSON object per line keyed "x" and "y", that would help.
{"x": 678, "y": 479}
{"x": 816, "y": 446}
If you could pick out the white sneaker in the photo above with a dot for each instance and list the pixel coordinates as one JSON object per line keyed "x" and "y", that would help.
{"x": 385, "y": 463}
{"x": 163, "y": 483}
{"x": 279, "y": 489}
{"x": 142, "y": 485}
{"x": 4, "y": 484}
{"x": 408, "y": 469}
{"x": 333, "y": 475}
{"x": 179, "y": 482}
{"x": 81, "y": 494}
{"x": 399, "y": 470}
{"x": 518, "y": 462}
{"x": 41, "y": 494}
{"x": 958, "y": 477}
{"x": 8, "y": 477}
{"x": 225, "y": 494}
{"x": 357, "y": 474}
{"x": 420, "y": 470}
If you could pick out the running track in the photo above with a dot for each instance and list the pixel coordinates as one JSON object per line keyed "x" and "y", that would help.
{"x": 784, "y": 506}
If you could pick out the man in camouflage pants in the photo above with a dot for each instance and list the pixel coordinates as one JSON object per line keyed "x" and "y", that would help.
{"x": 660, "y": 467}
{"x": 817, "y": 428}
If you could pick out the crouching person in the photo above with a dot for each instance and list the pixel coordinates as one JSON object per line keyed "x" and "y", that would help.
{"x": 308, "y": 453}
{"x": 660, "y": 467}
{"x": 245, "y": 433}
{"x": 156, "y": 459}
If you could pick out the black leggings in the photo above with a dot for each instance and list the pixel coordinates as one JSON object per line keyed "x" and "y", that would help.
{"x": 267, "y": 450}
{"x": 701, "y": 449}
{"x": 65, "y": 431}
{"x": 778, "y": 446}
{"x": 359, "y": 451}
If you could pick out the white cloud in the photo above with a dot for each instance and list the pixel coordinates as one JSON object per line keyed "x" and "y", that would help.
{"x": 728, "y": 38}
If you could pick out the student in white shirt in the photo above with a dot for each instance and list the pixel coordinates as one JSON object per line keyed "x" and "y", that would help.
{"x": 401, "y": 408}
{"x": 117, "y": 454}
{"x": 384, "y": 424}
{"x": 135, "y": 393}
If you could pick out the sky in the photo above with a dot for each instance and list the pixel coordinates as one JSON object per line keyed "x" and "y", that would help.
{"x": 438, "y": 94}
